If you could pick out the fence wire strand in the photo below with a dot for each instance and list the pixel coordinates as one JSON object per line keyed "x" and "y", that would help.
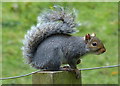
{"x": 40, "y": 71}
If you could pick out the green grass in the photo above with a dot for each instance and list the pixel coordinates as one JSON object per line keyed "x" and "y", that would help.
{"x": 101, "y": 18}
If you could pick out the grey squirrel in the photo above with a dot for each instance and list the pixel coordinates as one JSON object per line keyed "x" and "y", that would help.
{"x": 50, "y": 44}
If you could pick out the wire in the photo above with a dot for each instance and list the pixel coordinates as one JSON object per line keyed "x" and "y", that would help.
{"x": 20, "y": 75}
{"x": 40, "y": 71}
{"x": 100, "y": 67}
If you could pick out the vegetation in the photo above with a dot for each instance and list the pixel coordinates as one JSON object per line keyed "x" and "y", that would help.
{"x": 101, "y": 18}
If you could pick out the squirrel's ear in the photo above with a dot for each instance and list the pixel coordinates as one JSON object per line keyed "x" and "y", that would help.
{"x": 87, "y": 37}
{"x": 93, "y": 34}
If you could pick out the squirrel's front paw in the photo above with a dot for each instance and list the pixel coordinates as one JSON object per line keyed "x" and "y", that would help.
{"x": 79, "y": 61}
{"x": 77, "y": 72}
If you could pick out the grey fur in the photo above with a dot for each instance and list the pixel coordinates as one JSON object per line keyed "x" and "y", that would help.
{"x": 53, "y": 21}
{"x": 58, "y": 49}
{"x": 49, "y": 44}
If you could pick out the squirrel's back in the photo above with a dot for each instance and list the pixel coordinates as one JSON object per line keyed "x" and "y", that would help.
{"x": 61, "y": 48}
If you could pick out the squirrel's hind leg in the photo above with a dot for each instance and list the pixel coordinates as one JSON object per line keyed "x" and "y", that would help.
{"x": 68, "y": 68}
{"x": 55, "y": 61}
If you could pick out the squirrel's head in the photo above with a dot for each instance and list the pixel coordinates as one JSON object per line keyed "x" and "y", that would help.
{"x": 94, "y": 45}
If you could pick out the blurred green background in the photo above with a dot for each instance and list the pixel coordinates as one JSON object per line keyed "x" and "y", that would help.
{"x": 98, "y": 17}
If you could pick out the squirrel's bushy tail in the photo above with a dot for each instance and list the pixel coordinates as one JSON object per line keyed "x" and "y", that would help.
{"x": 53, "y": 21}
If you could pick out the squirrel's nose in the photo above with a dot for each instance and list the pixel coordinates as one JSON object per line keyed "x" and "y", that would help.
{"x": 103, "y": 50}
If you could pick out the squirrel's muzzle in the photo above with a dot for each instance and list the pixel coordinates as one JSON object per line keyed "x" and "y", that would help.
{"x": 101, "y": 50}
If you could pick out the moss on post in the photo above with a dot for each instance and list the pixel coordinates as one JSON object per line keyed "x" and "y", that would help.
{"x": 55, "y": 77}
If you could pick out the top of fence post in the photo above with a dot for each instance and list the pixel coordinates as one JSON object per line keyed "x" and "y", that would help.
{"x": 55, "y": 77}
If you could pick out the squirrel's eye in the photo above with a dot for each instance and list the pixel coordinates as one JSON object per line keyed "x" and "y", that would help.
{"x": 94, "y": 44}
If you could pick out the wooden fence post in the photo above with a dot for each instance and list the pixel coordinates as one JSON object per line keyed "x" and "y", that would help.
{"x": 55, "y": 77}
